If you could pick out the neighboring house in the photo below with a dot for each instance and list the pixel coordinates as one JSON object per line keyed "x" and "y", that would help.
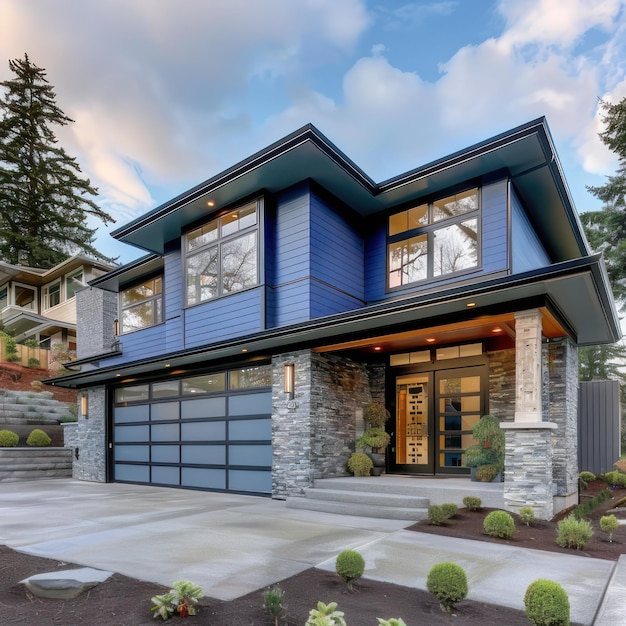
{"x": 283, "y": 294}
{"x": 40, "y": 304}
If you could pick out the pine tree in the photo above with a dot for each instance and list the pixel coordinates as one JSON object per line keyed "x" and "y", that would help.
{"x": 44, "y": 201}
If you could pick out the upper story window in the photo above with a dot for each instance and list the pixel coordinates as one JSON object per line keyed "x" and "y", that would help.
{"x": 433, "y": 239}
{"x": 25, "y": 297}
{"x": 222, "y": 255}
{"x": 52, "y": 295}
{"x": 4, "y": 297}
{"x": 141, "y": 305}
{"x": 73, "y": 282}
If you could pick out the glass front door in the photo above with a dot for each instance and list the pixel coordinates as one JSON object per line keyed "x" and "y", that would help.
{"x": 435, "y": 413}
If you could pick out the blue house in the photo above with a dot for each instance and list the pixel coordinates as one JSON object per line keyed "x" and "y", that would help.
{"x": 278, "y": 298}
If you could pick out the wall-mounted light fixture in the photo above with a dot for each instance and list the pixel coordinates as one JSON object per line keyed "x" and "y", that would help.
{"x": 289, "y": 379}
{"x": 116, "y": 327}
{"x": 84, "y": 405}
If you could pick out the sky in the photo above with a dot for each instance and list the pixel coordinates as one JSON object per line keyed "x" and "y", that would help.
{"x": 165, "y": 94}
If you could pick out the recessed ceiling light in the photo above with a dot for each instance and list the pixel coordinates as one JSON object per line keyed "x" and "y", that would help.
{"x": 497, "y": 329}
{"x": 210, "y": 203}
{"x": 244, "y": 349}
{"x": 167, "y": 365}
{"x": 377, "y": 348}
{"x": 430, "y": 340}
{"x": 469, "y": 305}
{"x": 118, "y": 375}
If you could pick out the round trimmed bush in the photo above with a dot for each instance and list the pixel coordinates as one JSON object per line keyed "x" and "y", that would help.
{"x": 472, "y": 503}
{"x": 449, "y": 509}
{"x": 360, "y": 464}
{"x": 546, "y": 603}
{"x": 587, "y": 477}
{"x": 350, "y": 565}
{"x": 436, "y": 514}
{"x": 527, "y": 515}
{"x": 573, "y": 533}
{"x": 38, "y": 439}
{"x": 487, "y": 473}
{"x": 448, "y": 583}
{"x": 8, "y": 439}
{"x": 499, "y": 524}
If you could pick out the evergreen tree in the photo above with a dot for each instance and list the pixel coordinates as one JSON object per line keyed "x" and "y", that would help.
{"x": 44, "y": 200}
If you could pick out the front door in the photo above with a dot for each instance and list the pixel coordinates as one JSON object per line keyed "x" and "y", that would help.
{"x": 435, "y": 412}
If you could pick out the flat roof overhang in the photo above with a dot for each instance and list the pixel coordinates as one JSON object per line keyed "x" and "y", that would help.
{"x": 525, "y": 153}
{"x": 576, "y": 292}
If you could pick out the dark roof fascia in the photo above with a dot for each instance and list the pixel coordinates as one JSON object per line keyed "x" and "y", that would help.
{"x": 122, "y": 270}
{"x": 278, "y": 148}
{"x": 298, "y": 333}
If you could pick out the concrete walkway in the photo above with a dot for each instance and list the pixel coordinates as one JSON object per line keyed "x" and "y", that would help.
{"x": 231, "y": 545}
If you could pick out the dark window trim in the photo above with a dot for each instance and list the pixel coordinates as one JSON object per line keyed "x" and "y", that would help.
{"x": 135, "y": 283}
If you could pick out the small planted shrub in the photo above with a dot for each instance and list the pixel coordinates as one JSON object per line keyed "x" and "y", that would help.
{"x": 394, "y": 621}
{"x": 587, "y": 477}
{"x": 360, "y": 464}
{"x": 546, "y": 603}
{"x": 181, "y": 598}
{"x": 326, "y": 615}
{"x": 436, "y": 514}
{"x": 573, "y": 533}
{"x": 609, "y": 524}
{"x": 273, "y": 602}
{"x": 499, "y": 524}
{"x": 350, "y": 565}
{"x": 472, "y": 503}
{"x": 487, "y": 473}
{"x": 449, "y": 509}
{"x": 448, "y": 583}
{"x": 38, "y": 439}
{"x": 590, "y": 505}
{"x": 615, "y": 479}
{"x": 36, "y": 385}
{"x": 527, "y": 515}
{"x": 8, "y": 439}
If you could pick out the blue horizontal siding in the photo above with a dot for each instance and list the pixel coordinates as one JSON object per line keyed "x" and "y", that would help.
{"x": 235, "y": 315}
{"x": 376, "y": 265}
{"x": 140, "y": 344}
{"x": 294, "y": 302}
{"x": 494, "y": 227}
{"x": 326, "y": 300}
{"x": 173, "y": 276}
{"x": 527, "y": 250}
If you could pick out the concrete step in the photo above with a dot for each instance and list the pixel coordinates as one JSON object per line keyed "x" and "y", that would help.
{"x": 363, "y": 510}
{"x": 365, "y": 497}
{"x": 35, "y": 463}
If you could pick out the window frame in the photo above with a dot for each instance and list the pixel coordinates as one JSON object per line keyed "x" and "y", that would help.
{"x": 156, "y": 297}
{"x": 46, "y": 294}
{"x": 68, "y": 278}
{"x": 429, "y": 230}
{"x": 218, "y": 244}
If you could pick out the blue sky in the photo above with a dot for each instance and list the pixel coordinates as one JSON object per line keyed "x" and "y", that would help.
{"x": 167, "y": 93}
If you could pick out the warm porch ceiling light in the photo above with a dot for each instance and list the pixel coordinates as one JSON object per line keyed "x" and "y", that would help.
{"x": 168, "y": 365}
{"x": 497, "y": 329}
{"x": 377, "y": 348}
{"x": 469, "y": 305}
{"x": 430, "y": 340}
{"x": 244, "y": 349}
{"x": 118, "y": 375}
{"x": 288, "y": 386}
{"x": 210, "y": 203}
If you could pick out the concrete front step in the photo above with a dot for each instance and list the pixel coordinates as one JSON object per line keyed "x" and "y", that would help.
{"x": 362, "y": 510}
{"x": 365, "y": 497}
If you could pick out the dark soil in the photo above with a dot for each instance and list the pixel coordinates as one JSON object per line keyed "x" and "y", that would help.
{"x": 123, "y": 601}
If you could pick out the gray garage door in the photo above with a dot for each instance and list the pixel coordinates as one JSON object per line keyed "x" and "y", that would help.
{"x": 210, "y": 432}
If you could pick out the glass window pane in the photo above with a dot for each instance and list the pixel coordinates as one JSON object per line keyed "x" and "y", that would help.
{"x": 202, "y": 276}
{"x": 251, "y": 377}
{"x": 205, "y": 383}
{"x": 24, "y": 297}
{"x": 4, "y": 297}
{"x": 131, "y": 394}
{"x": 398, "y": 222}
{"x": 455, "y": 205}
{"x": 238, "y": 220}
{"x": 470, "y": 403}
{"x": 408, "y": 261}
{"x": 455, "y": 247}
{"x": 201, "y": 236}
{"x": 139, "y": 316}
{"x": 239, "y": 263}
{"x": 73, "y": 284}
{"x": 142, "y": 292}
{"x": 470, "y": 384}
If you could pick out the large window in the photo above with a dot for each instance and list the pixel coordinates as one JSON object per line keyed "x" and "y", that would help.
{"x": 222, "y": 255}
{"x": 433, "y": 239}
{"x": 73, "y": 282}
{"x": 141, "y": 305}
{"x": 52, "y": 295}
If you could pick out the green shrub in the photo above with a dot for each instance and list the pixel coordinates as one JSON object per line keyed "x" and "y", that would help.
{"x": 182, "y": 599}
{"x": 546, "y": 603}
{"x": 10, "y": 348}
{"x": 615, "y": 479}
{"x": 487, "y": 473}
{"x": 573, "y": 533}
{"x": 499, "y": 524}
{"x": 587, "y": 477}
{"x": 374, "y": 438}
{"x": 350, "y": 565}
{"x": 360, "y": 464}
{"x": 273, "y": 602}
{"x": 448, "y": 583}
{"x": 449, "y": 509}
{"x": 8, "y": 439}
{"x": 436, "y": 514}
{"x": 38, "y": 439}
{"x": 33, "y": 362}
{"x": 325, "y": 615}
{"x": 375, "y": 415}
{"x": 609, "y": 524}
{"x": 394, "y": 621}
{"x": 527, "y": 515}
{"x": 472, "y": 503}
{"x": 590, "y": 505}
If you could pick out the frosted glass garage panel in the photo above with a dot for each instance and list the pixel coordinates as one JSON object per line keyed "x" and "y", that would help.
{"x": 204, "y": 455}
{"x": 203, "y": 431}
{"x": 203, "y": 478}
{"x": 164, "y": 432}
{"x": 123, "y": 414}
{"x": 250, "y": 455}
{"x": 132, "y": 433}
{"x": 252, "y": 404}
{"x": 250, "y": 430}
{"x": 165, "y": 475}
{"x": 250, "y": 480}
{"x": 134, "y": 473}
{"x": 165, "y": 411}
{"x": 203, "y": 407}
{"x": 132, "y": 453}
{"x": 165, "y": 454}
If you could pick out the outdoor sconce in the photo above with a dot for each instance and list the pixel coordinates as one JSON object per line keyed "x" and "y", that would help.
{"x": 116, "y": 327}
{"x": 289, "y": 379}
{"x": 84, "y": 406}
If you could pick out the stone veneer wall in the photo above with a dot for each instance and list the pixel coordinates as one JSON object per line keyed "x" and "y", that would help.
{"x": 94, "y": 326}
{"x": 87, "y": 437}
{"x": 563, "y": 381}
{"x": 502, "y": 384}
{"x": 313, "y": 435}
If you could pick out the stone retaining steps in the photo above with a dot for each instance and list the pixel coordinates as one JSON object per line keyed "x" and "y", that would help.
{"x": 34, "y": 463}
{"x": 28, "y": 407}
